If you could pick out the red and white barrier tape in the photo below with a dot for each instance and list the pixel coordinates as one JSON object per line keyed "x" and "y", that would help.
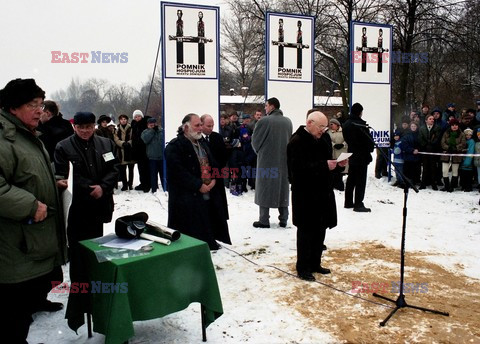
{"x": 454, "y": 154}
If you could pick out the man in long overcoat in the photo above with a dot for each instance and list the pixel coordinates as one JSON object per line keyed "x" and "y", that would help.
{"x": 310, "y": 167}
{"x": 269, "y": 140}
{"x": 195, "y": 202}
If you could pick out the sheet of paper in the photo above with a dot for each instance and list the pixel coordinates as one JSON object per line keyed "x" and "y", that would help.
{"x": 129, "y": 244}
{"x": 344, "y": 156}
{"x": 67, "y": 195}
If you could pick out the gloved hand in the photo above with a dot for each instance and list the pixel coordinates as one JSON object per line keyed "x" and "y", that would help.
{"x": 338, "y": 146}
{"x": 125, "y": 144}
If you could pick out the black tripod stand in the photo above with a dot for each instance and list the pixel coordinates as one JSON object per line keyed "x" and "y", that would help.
{"x": 400, "y": 301}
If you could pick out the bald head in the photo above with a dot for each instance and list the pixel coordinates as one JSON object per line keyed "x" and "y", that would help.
{"x": 317, "y": 124}
{"x": 207, "y": 122}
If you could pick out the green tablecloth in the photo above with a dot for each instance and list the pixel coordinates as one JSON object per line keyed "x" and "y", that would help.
{"x": 166, "y": 280}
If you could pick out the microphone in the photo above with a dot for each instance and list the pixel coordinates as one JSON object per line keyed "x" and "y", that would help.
{"x": 361, "y": 125}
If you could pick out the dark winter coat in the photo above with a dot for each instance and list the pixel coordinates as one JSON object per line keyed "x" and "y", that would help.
{"x": 27, "y": 250}
{"x": 218, "y": 149}
{"x": 53, "y": 131}
{"x": 359, "y": 140}
{"x": 104, "y": 132}
{"x": 459, "y": 148}
{"x": 429, "y": 141}
{"x": 188, "y": 211}
{"x": 89, "y": 168}
{"x": 313, "y": 199}
{"x": 408, "y": 145}
{"x": 138, "y": 146}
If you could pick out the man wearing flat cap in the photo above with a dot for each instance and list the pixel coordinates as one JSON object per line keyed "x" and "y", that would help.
{"x": 32, "y": 229}
{"x": 95, "y": 175}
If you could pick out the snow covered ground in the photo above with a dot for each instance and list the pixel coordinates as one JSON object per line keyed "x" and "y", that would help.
{"x": 265, "y": 305}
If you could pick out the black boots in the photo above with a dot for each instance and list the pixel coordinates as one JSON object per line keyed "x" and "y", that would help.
{"x": 446, "y": 182}
{"x": 454, "y": 184}
{"x": 450, "y": 187}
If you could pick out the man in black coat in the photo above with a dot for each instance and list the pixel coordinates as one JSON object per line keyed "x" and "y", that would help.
{"x": 214, "y": 141}
{"x": 310, "y": 165}
{"x": 139, "y": 149}
{"x": 95, "y": 175}
{"x": 195, "y": 205}
{"x": 53, "y": 128}
{"x": 361, "y": 144}
{"x": 217, "y": 147}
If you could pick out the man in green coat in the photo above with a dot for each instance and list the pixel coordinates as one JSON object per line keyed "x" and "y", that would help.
{"x": 32, "y": 231}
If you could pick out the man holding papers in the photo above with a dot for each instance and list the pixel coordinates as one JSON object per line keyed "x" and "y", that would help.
{"x": 310, "y": 167}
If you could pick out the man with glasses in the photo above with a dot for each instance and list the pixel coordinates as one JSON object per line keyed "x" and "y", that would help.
{"x": 310, "y": 167}
{"x": 361, "y": 144}
{"x": 32, "y": 230}
{"x": 95, "y": 175}
{"x": 269, "y": 140}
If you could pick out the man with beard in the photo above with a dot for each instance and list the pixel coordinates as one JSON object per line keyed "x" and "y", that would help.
{"x": 310, "y": 166}
{"x": 195, "y": 202}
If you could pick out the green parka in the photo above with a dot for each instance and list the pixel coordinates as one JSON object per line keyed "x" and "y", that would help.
{"x": 27, "y": 249}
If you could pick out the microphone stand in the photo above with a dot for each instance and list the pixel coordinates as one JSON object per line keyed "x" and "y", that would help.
{"x": 400, "y": 301}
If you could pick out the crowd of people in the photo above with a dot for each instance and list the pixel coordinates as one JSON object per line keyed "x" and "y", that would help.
{"x": 437, "y": 149}
{"x": 38, "y": 148}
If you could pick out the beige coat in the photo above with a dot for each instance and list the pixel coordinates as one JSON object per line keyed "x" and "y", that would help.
{"x": 337, "y": 138}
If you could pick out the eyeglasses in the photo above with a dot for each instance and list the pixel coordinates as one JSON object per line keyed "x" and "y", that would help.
{"x": 321, "y": 127}
{"x": 36, "y": 106}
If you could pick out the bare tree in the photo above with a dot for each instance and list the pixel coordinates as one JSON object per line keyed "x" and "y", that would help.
{"x": 242, "y": 52}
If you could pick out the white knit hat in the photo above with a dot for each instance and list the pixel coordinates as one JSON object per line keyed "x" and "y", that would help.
{"x": 137, "y": 113}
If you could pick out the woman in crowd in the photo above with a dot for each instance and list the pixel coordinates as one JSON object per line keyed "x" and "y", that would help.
{"x": 123, "y": 140}
{"x": 453, "y": 142}
{"x": 339, "y": 146}
{"x": 410, "y": 145}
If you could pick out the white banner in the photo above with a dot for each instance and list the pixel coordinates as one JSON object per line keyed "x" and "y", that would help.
{"x": 370, "y": 76}
{"x": 289, "y": 63}
{"x": 190, "y": 63}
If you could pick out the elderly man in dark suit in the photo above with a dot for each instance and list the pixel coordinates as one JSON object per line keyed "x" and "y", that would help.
{"x": 310, "y": 167}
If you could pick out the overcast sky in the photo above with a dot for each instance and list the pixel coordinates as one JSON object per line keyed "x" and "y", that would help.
{"x": 31, "y": 30}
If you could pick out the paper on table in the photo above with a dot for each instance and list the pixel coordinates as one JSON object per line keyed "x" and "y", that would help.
{"x": 130, "y": 244}
{"x": 344, "y": 156}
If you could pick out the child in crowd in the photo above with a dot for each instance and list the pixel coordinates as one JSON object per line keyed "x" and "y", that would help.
{"x": 466, "y": 168}
{"x": 398, "y": 159}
